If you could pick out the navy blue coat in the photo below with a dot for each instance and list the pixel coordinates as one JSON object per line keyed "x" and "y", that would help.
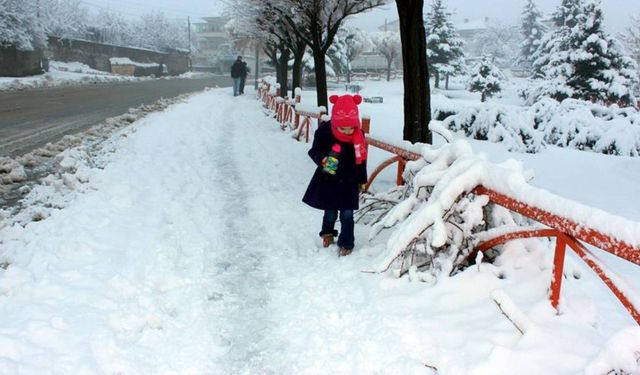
{"x": 339, "y": 191}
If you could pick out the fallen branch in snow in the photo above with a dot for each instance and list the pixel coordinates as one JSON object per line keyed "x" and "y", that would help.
{"x": 511, "y": 311}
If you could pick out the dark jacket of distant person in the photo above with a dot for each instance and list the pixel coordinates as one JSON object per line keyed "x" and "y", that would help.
{"x": 238, "y": 69}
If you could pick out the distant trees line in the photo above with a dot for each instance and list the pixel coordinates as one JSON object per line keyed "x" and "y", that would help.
{"x": 26, "y": 24}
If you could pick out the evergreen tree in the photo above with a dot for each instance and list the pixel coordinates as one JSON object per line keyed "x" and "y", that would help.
{"x": 579, "y": 60}
{"x": 485, "y": 79}
{"x": 533, "y": 31}
{"x": 444, "y": 47}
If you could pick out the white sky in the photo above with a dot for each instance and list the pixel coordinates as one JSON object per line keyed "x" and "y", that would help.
{"x": 616, "y": 12}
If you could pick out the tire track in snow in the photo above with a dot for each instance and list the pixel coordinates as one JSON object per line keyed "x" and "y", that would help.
{"x": 242, "y": 272}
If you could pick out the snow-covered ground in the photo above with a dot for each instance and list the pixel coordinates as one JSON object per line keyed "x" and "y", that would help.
{"x": 71, "y": 74}
{"x": 184, "y": 248}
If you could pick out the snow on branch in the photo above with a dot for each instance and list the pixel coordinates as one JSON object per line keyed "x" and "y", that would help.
{"x": 438, "y": 222}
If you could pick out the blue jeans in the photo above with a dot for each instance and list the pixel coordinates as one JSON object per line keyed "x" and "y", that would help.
{"x": 346, "y": 238}
{"x": 236, "y": 86}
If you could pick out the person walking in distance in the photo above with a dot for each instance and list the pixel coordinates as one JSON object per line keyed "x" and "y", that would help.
{"x": 238, "y": 70}
{"x": 243, "y": 79}
{"x": 340, "y": 152}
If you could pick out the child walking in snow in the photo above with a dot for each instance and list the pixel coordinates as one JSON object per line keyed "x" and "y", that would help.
{"x": 340, "y": 151}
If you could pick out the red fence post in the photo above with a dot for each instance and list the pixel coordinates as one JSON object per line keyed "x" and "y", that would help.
{"x": 558, "y": 266}
{"x": 366, "y": 125}
{"x": 399, "y": 178}
{"x": 297, "y": 114}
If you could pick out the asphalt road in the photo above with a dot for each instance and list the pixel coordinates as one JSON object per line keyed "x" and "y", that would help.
{"x": 30, "y": 119}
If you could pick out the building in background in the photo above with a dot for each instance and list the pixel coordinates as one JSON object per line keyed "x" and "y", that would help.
{"x": 212, "y": 44}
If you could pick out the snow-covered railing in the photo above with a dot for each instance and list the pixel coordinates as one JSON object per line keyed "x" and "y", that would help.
{"x": 569, "y": 222}
{"x": 290, "y": 113}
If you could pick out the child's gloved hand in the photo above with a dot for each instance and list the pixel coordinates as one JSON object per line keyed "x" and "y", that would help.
{"x": 330, "y": 165}
{"x": 362, "y": 188}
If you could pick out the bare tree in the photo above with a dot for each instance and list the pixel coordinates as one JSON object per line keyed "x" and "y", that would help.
{"x": 417, "y": 96}
{"x": 260, "y": 22}
{"x": 388, "y": 44}
{"x": 316, "y": 22}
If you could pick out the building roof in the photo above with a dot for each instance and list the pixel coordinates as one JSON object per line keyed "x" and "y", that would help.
{"x": 466, "y": 24}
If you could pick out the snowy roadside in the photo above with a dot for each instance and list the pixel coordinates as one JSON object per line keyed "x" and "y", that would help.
{"x": 187, "y": 250}
{"x": 57, "y": 169}
{"x": 75, "y": 74}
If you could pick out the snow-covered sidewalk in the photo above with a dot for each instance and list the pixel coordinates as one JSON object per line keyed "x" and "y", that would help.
{"x": 191, "y": 253}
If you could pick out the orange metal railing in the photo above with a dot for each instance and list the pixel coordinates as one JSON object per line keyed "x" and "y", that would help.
{"x": 564, "y": 230}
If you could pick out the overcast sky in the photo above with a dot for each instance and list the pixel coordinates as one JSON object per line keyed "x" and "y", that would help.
{"x": 616, "y": 12}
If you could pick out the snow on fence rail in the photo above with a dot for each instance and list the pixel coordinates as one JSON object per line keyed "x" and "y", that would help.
{"x": 569, "y": 225}
{"x": 290, "y": 113}
{"x": 454, "y": 175}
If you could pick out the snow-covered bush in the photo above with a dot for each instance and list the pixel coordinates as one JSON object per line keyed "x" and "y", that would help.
{"x": 587, "y": 126}
{"x": 499, "y": 124}
{"x": 571, "y": 123}
{"x": 436, "y": 225}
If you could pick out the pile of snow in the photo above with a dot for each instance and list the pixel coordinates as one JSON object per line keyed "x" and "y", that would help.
{"x": 69, "y": 162}
{"x": 76, "y": 73}
{"x": 74, "y": 67}
{"x": 11, "y": 171}
{"x": 128, "y": 61}
{"x": 64, "y": 74}
{"x": 571, "y": 123}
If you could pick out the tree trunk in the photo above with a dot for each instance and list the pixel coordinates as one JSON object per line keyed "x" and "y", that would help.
{"x": 298, "y": 50}
{"x": 436, "y": 79}
{"x": 297, "y": 70}
{"x": 283, "y": 70}
{"x": 389, "y": 62}
{"x": 273, "y": 56}
{"x": 417, "y": 106}
{"x": 446, "y": 82}
{"x": 321, "y": 77}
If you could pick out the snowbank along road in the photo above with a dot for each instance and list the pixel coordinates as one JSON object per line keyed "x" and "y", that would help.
{"x": 29, "y": 119}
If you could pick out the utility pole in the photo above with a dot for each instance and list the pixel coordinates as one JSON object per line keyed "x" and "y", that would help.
{"x": 255, "y": 85}
{"x": 38, "y": 8}
{"x": 189, "y": 35}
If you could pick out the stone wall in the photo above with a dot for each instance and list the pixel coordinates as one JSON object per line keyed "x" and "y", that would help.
{"x": 97, "y": 55}
{"x": 15, "y": 63}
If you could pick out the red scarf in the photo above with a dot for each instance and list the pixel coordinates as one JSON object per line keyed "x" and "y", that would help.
{"x": 357, "y": 139}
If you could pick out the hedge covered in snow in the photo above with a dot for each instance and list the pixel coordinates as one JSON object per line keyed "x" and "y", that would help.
{"x": 571, "y": 123}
